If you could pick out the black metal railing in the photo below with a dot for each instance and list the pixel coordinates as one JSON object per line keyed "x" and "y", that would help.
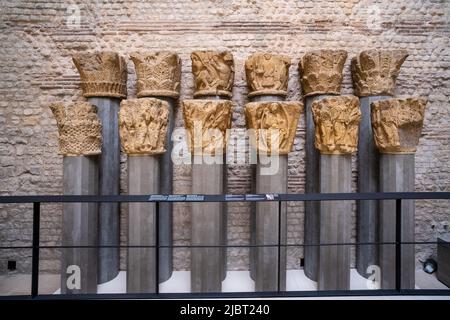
{"x": 397, "y": 196}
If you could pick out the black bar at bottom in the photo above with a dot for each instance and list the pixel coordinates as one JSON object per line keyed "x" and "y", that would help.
{"x": 35, "y": 250}
{"x": 398, "y": 245}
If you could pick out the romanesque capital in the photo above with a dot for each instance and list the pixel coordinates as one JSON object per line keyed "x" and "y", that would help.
{"x": 274, "y": 125}
{"x": 374, "y": 72}
{"x": 207, "y": 122}
{"x": 267, "y": 74}
{"x": 336, "y": 121}
{"x": 158, "y": 74}
{"x": 80, "y": 130}
{"x": 143, "y": 125}
{"x": 103, "y": 74}
{"x": 397, "y": 124}
{"x": 213, "y": 73}
{"x": 321, "y": 71}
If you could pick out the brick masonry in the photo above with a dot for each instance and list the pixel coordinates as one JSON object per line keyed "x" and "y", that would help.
{"x": 39, "y": 37}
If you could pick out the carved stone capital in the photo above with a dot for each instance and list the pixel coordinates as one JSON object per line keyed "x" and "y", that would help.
{"x": 158, "y": 74}
{"x": 80, "y": 130}
{"x": 374, "y": 72}
{"x": 143, "y": 125}
{"x": 103, "y": 74}
{"x": 336, "y": 121}
{"x": 397, "y": 124}
{"x": 207, "y": 122}
{"x": 274, "y": 123}
{"x": 267, "y": 74}
{"x": 321, "y": 71}
{"x": 213, "y": 73}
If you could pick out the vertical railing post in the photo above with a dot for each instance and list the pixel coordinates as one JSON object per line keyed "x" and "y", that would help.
{"x": 157, "y": 246}
{"x": 279, "y": 247}
{"x": 35, "y": 250}
{"x": 398, "y": 245}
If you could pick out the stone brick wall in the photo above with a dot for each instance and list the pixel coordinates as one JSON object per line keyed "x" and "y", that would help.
{"x": 39, "y": 37}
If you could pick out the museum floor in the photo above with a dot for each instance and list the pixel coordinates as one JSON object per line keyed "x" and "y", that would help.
{"x": 236, "y": 281}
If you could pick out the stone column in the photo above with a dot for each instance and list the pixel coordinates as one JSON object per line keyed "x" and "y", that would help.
{"x": 336, "y": 122}
{"x": 374, "y": 73}
{"x": 80, "y": 143}
{"x": 159, "y": 76}
{"x": 397, "y": 125}
{"x": 143, "y": 132}
{"x": 320, "y": 77}
{"x": 207, "y": 121}
{"x": 104, "y": 82}
{"x": 267, "y": 80}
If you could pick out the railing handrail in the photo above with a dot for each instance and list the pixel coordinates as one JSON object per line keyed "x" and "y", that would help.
{"x": 227, "y": 197}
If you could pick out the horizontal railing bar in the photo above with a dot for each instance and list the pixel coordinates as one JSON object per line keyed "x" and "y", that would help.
{"x": 229, "y": 197}
{"x": 227, "y": 246}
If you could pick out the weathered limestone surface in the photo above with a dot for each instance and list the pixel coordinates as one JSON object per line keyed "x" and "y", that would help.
{"x": 37, "y": 70}
{"x": 321, "y": 71}
{"x": 397, "y": 124}
{"x": 80, "y": 131}
{"x": 103, "y": 74}
{"x": 158, "y": 74}
{"x": 213, "y": 73}
{"x": 267, "y": 74}
{"x": 374, "y": 72}
{"x": 275, "y": 121}
{"x": 207, "y": 122}
{"x": 336, "y": 122}
{"x": 143, "y": 125}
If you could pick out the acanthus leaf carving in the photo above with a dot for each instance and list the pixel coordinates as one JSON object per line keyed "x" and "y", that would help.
{"x": 321, "y": 72}
{"x": 143, "y": 125}
{"x": 158, "y": 74}
{"x": 374, "y": 72}
{"x": 103, "y": 74}
{"x": 336, "y": 121}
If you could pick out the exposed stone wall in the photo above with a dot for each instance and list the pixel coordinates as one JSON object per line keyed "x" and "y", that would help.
{"x": 39, "y": 37}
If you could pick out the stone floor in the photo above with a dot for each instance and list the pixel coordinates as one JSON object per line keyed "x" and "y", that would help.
{"x": 236, "y": 281}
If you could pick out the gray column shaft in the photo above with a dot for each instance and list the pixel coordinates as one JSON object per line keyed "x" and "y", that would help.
{"x": 267, "y": 228}
{"x": 80, "y": 225}
{"x": 208, "y": 228}
{"x": 109, "y": 219}
{"x": 253, "y": 209}
{"x": 312, "y": 217}
{"x": 335, "y": 218}
{"x": 397, "y": 175}
{"x": 367, "y": 214}
{"x": 166, "y": 208}
{"x": 143, "y": 178}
